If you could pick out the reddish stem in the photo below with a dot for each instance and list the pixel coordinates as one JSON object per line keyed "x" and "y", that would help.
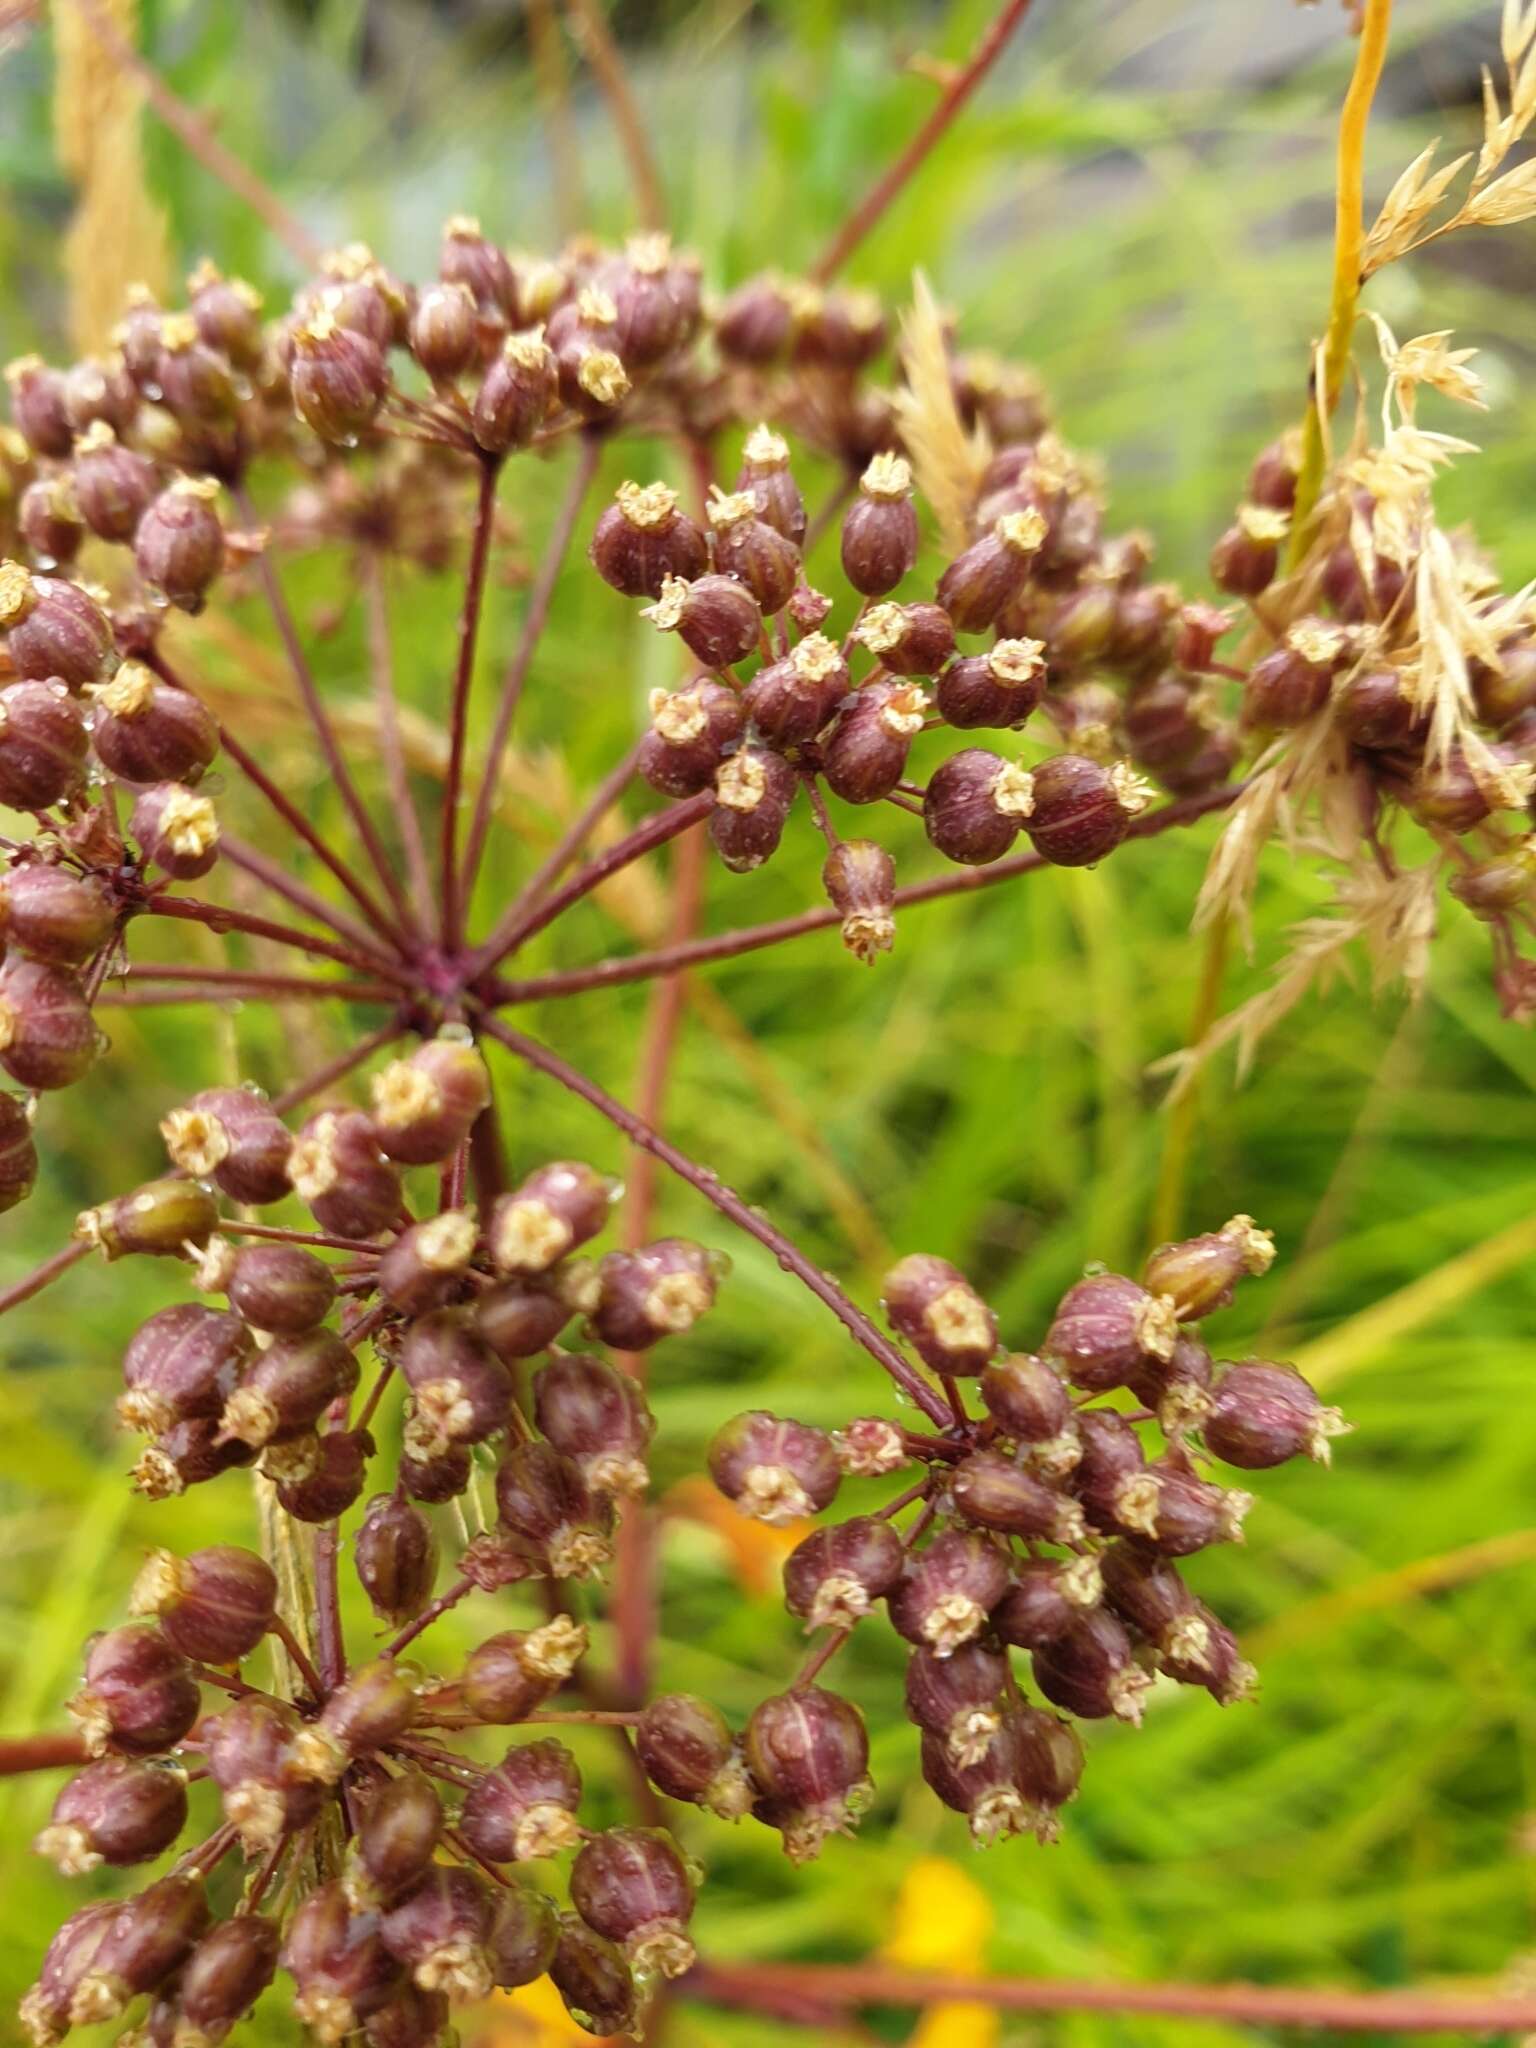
{"x": 451, "y": 1598}
{"x": 891, "y": 182}
{"x": 576, "y": 834}
{"x": 336, "y": 1069}
{"x": 729, "y": 1203}
{"x": 241, "y": 854}
{"x": 219, "y": 984}
{"x": 43, "y": 1275}
{"x": 751, "y": 938}
{"x": 463, "y": 677}
{"x": 218, "y": 918}
{"x": 21, "y": 1753}
{"x": 534, "y": 621}
{"x": 601, "y": 52}
{"x": 381, "y": 662}
{"x": 799, "y": 1990}
{"x": 299, "y": 1655}
{"x": 330, "y": 1651}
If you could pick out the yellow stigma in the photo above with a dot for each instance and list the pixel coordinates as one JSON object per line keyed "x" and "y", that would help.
{"x": 646, "y": 506}
{"x": 888, "y": 476}
{"x": 765, "y": 449}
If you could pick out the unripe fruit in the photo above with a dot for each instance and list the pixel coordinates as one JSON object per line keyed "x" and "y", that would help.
{"x": 808, "y": 1755}
{"x": 593, "y": 1978}
{"x": 523, "y": 1315}
{"x": 116, "y": 1812}
{"x": 516, "y": 394}
{"x": 752, "y": 325}
{"x": 53, "y": 914}
{"x": 999, "y": 688}
{"x": 438, "y": 1932}
{"x": 631, "y": 1886}
{"x": 187, "y": 1454}
{"x": 146, "y": 730}
{"x": 752, "y": 553}
{"x": 149, "y": 1938}
{"x": 1025, "y": 1397}
{"x": 985, "y": 1790}
{"x": 860, "y": 879}
{"x": 396, "y": 1554}
{"x": 596, "y": 1415}
{"x": 766, "y": 476}
{"x": 993, "y": 1492}
{"x": 445, "y": 331}
{"x": 37, "y": 406}
{"x": 1090, "y": 1669}
{"x": 178, "y": 544}
{"x": 557, "y": 1208}
{"x": 175, "y": 829}
{"x": 43, "y": 744}
{"x": 948, "y": 1591}
{"x": 463, "y": 1392}
{"x": 226, "y": 1973}
{"x": 395, "y": 1840}
{"x": 424, "y": 1267}
{"x": 1293, "y": 682}
{"x": 280, "y": 1288}
{"x": 865, "y": 753}
{"x": 233, "y": 1137}
{"x": 754, "y": 790}
{"x": 47, "y": 1034}
{"x": 1082, "y": 809}
{"x": 772, "y": 1469}
{"x": 961, "y": 1697}
{"x": 54, "y": 630}
{"x": 162, "y": 1219}
{"x": 1199, "y": 1274}
{"x": 907, "y": 639}
{"x": 423, "y": 1106}
{"x": 689, "y": 1753}
{"x": 338, "y": 378}
{"x": 545, "y": 1502}
{"x": 339, "y": 1170}
{"x": 214, "y": 1606}
{"x": 1261, "y": 1415}
{"x": 248, "y": 1749}
{"x": 1247, "y": 555}
{"x": 289, "y": 1386}
{"x": 1046, "y": 1596}
{"x": 523, "y": 1936}
{"x": 507, "y": 1676}
{"x": 933, "y": 1305}
{"x": 982, "y": 581}
{"x": 1105, "y": 1328}
{"x": 643, "y": 538}
{"x": 974, "y": 805}
{"x": 319, "y": 1478}
{"x": 880, "y": 536}
{"x": 691, "y": 732}
{"x": 658, "y": 1291}
{"x": 181, "y": 1366}
{"x": 791, "y": 699}
{"x": 716, "y": 618}
{"x": 50, "y": 522}
{"x": 339, "y": 1964}
{"x": 18, "y": 1153}
{"x": 834, "y": 1577}
{"x": 526, "y": 1806}
{"x": 45, "y": 2010}
{"x": 139, "y": 1698}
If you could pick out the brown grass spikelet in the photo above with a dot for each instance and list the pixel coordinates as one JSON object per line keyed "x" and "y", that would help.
{"x": 947, "y": 461}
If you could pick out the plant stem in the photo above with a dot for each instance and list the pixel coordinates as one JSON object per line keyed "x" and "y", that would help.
{"x": 330, "y": 1651}
{"x": 1184, "y": 1110}
{"x": 381, "y": 663}
{"x": 463, "y": 677}
{"x": 601, "y": 52}
{"x": 890, "y": 183}
{"x": 714, "y": 1190}
{"x": 220, "y": 919}
{"x": 551, "y": 84}
{"x": 299, "y": 1655}
{"x": 208, "y": 983}
{"x": 804, "y": 1990}
{"x": 22, "y": 1753}
{"x": 1348, "y": 244}
{"x": 297, "y": 894}
{"x": 43, "y": 1275}
{"x": 336, "y": 1069}
{"x": 516, "y": 928}
{"x": 750, "y": 938}
{"x": 576, "y": 834}
{"x": 455, "y": 1593}
{"x": 540, "y": 598}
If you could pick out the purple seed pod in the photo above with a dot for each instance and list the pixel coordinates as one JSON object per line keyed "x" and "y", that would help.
{"x": 37, "y": 406}
{"x": 1294, "y": 681}
{"x": 860, "y": 880}
{"x": 593, "y": 1979}
{"x": 1505, "y": 688}
{"x": 47, "y": 1034}
{"x": 808, "y": 1754}
{"x": 423, "y": 1106}
{"x": 1104, "y": 1330}
{"x": 288, "y": 1388}
{"x": 1205, "y": 769}
{"x": 752, "y": 324}
{"x": 985, "y": 1790}
{"x": 837, "y": 330}
{"x": 214, "y": 1606}
{"x": 985, "y": 579}
{"x": 138, "y": 1698}
{"x": 1000, "y": 688}
{"x": 187, "y": 1454}
{"x": 175, "y": 829}
{"x": 54, "y": 915}
{"x": 907, "y": 639}
{"x": 372, "y": 1707}
{"x": 1177, "y": 1513}
{"x": 1046, "y": 1597}
{"x": 44, "y": 2012}
{"x": 961, "y": 1698}
{"x": 445, "y": 331}
{"x": 248, "y": 1749}
{"x": 54, "y": 631}
{"x": 834, "y": 1577}
{"x": 869, "y": 1447}
{"x": 1198, "y": 1275}
{"x": 1177, "y": 1389}
{"x": 178, "y": 544}
{"x": 1144, "y": 631}
{"x": 716, "y": 618}
{"x": 525, "y": 1314}
{"x": 194, "y": 382}
{"x": 48, "y": 517}
{"x": 424, "y": 1267}
{"x": 766, "y": 476}
{"x": 750, "y": 552}
{"x": 1448, "y": 793}
{"x": 557, "y": 1208}
{"x": 435, "y": 1476}
{"x": 1203, "y": 1651}
{"x": 643, "y": 538}
{"x": 661, "y": 1290}
{"x": 228, "y": 315}
{"x": 161, "y": 1219}
{"x": 462, "y": 1391}
{"x": 773, "y": 1469}
{"x": 1245, "y": 558}
{"x": 1082, "y": 809}
{"x": 329, "y": 1482}
{"x": 1048, "y": 1766}
{"x": 930, "y": 1303}
{"x": 1272, "y": 480}
{"x": 523, "y": 1936}
{"x": 545, "y": 1502}
{"x": 1262, "y": 1414}
{"x": 147, "y": 1939}
{"x": 1090, "y": 1669}
{"x": 338, "y": 379}
{"x": 691, "y": 732}
{"x": 880, "y": 537}
{"x": 993, "y": 1491}
{"x": 516, "y": 394}
{"x": 409, "y": 2018}
{"x": 99, "y": 391}
{"x": 146, "y": 730}
{"x": 1026, "y": 1397}
{"x": 864, "y": 755}
{"x": 508, "y": 1676}
{"x": 18, "y": 1153}
{"x": 469, "y": 259}
{"x": 233, "y": 1137}
{"x": 974, "y": 805}
{"x": 43, "y": 745}
{"x": 657, "y": 300}
{"x": 1164, "y": 720}
{"x": 948, "y": 1591}
{"x": 280, "y": 1288}
{"x": 116, "y": 1812}
{"x": 689, "y": 1753}
{"x": 1079, "y": 629}
{"x": 1110, "y": 1461}
{"x": 790, "y": 700}
{"x": 583, "y": 332}
{"x": 438, "y": 1932}
{"x": 1146, "y": 1591}
{"x": 598, "y": 1416}
{"x": 631, "y": 1886}
{"x": 1199, "y": 627}
{"x": 224, "y": 1976}
{"x": 1491, "y": 889}
{"x": 339, "y": 1964}
{"x": 754, "y": 790}
{"x": 396, "y": 1553}
{"x": 181, "y": 1366}
{"x": 526, "y": 1806}
{"x": 395, "y": 1842}
{"x": 339, "y": 1171}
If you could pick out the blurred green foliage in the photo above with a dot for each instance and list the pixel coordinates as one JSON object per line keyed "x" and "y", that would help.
{"x": 1143, "y": 215}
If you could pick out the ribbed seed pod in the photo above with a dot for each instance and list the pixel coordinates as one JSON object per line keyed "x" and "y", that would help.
{"x": 423, "y": 1106}
{"x": 643, "y": 538}
{"x": 146, "y": 730}
{"x": 115, "y": 1811}
{"x": 54, "y": 630}
{"x": 982, "y": 581}
{"x": 546, "y": 1503}
{"x": 808, "y": 1755}
{"x": 45, "y": 2010}
{"x": 1026, "y": 1397}
{"x": 395, "y": 1841}
{"x": 754, "y": 790}
{"x": 182, "y": 1365}
{"x": 43, "y": 744}
{"x": 773, "y": 1469}
{"x": 765, "y": 474}
{"x": 524, "y": 1314}
{"x": 691, "y": 732}
{"x": 1045, "y": 1598}
{"x": 1082, "y": 809}
{"x": 225, "y": 1974}
{"x": 214, "y": 1605}
{"x": 632, "y": 1887}
{"x": 986, "y": 1789}
{"x": 596, "y": 1415}
{"x": 526, "y": 1806}
{"x": 248, "y": 1749}
{"x": 424, "y": 1267}
{"x": 993, "y": 1491}
{"x": 147, "y": 1940}
{"x": 933, "y": 1305}
{"x": 689, "y": 1753}
{"x": 445, "y": 331}
{"x": 176, "y": 829}
{"x": 1261, "y": 1415}
{"x": 396, "y": 1552}
{"x": 752, "y": 324}
{"x": 865, "y": 753}
{"x": 791, "y": 699}
{"x": 139, "y": 1698}
{"x": 750, "y": 551}
{"x": 1105, "y": 1328}
{"x": 834, "y": 1577}
{"x": 961, "y": 1698}
{"x": 462, "y": 1391}
{"x": 50, "y": 523}
{"x": 37, "y": 405}
{"x": 880, "y": 536}
{"x": 593, "y": 1978}
{"x": 233, "y": 1137}
{"x": 523, "y": 1936}
{"x": 319, "y": 1478}
{"x": 338, "y": 378}
{"x": 339, "y": 1964}
{"x": 556, "y": 1209}
{"x": 948, "y": 1591}
{"x": 1000, "y": 688}
{"x": 860, "y": 880}
{"x": 908, "y": 639}
{"x": 280, "y": 1288}
{"x": 54, "y": 915}
{"x": 508, "y": 1676}
{"x": 18, "y": 1153}
{"x": 974, "y": 805}
{"x": 288, "y": 1388}
{"x": 661, "y": 1290}
{"x": 47, "y": 1034}
{"x": 178, "y": 544}
{"x": 438, "y": 1932}
{"x": 1090, "y": 1669}
{"x": 161, "y": 1219}
{"x": 339, "y": 1171}
{"x": 516, "y": 394}
{"x": 1199, "y": 1273}
{"x": 717, "y": 619}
